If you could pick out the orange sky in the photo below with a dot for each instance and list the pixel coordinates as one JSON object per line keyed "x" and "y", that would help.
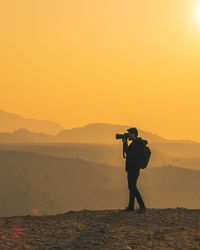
{"x": 112, "y": 61}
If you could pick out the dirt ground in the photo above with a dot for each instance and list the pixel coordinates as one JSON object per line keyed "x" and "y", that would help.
{"x": 108, "y": 229}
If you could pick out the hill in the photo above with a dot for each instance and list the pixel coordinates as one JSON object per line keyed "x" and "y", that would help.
{"x": 96, "y": 133}
{"x": 100, "y": 133}
{"x": 49, "y": 185}
{"x": 11, "y": 122}
{"x": 25, "y": 136}
{"x": 91, "y": 133}
{"x": 179, "y": 154}
{"x": 114, "y": 229}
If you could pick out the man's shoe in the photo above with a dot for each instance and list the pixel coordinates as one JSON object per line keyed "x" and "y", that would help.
{"x": 129, "y": 209}
{"x": 141, "y": 210}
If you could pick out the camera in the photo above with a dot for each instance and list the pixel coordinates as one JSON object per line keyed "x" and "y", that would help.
{"x": 123, "y": 136}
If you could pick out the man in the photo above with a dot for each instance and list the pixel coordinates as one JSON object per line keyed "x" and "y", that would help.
{"x": 133, "y": 155}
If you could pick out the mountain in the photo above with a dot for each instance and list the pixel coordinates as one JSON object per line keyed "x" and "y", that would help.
{"x": 105, "y": 134}
{"x": 100, "y": 133}
{"x": 29, "y": 130}
{"x": 32, "y": 182}
{"x": 25, "y": 136}
{"x": 11, "y": 122}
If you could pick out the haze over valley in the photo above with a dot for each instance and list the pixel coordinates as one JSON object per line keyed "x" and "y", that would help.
{"x": 33, "y": 183}
{"x": 97, "y": 143}
{"x": 83, "y": 168}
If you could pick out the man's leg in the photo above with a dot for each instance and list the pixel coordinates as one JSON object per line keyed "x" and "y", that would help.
{"x": 130, "y": 188}
{"x": 132, "y": 180}
{"x": 139, "y": 198}
{"x": 133, "y": 191}
{"x": 131, "y": 198}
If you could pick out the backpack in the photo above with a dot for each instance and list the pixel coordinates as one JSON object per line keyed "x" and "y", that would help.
{"x": 145, "y": 157}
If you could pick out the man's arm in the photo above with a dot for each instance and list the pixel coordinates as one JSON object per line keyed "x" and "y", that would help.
{"x": 125, "y": 147}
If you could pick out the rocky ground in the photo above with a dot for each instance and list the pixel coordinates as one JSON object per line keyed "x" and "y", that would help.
{"x": 108, "y": 229}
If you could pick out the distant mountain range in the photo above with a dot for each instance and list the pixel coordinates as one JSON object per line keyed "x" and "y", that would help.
{"x": 92, "y": 133}
{"x": 101, "y": 133}
{"x": 25, "y": 136}
{"x": 32, "y": 182}
{"x": 10, "y": 122}
{"x": 105, "y": 133}
{"x": 18, "y": 129}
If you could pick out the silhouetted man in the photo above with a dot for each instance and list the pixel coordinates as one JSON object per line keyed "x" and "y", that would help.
{"x": 133, "y": 155}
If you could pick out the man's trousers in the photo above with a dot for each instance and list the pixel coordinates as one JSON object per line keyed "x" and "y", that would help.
{"x": 132, "y": 177}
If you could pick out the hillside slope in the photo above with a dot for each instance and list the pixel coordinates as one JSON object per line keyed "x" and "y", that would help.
{"x": 114, "y": 229}
{"x": 181, "y": 155}
{"x": 35, "y": 183}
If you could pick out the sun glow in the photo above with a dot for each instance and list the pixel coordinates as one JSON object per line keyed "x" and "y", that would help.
{"x": 197, "y": 13}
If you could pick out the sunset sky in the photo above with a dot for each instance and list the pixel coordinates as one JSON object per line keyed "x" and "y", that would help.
{"x": 112, "y": 61}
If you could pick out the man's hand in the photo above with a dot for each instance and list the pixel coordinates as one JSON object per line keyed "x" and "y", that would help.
{"x": 125, "y": 146}
{"x": 124, "y": 140}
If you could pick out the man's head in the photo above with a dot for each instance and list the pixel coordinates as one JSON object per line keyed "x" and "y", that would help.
{"x": 133, "y": 133}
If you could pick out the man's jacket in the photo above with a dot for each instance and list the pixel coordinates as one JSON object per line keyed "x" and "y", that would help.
{"x": 134, "y": 153}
